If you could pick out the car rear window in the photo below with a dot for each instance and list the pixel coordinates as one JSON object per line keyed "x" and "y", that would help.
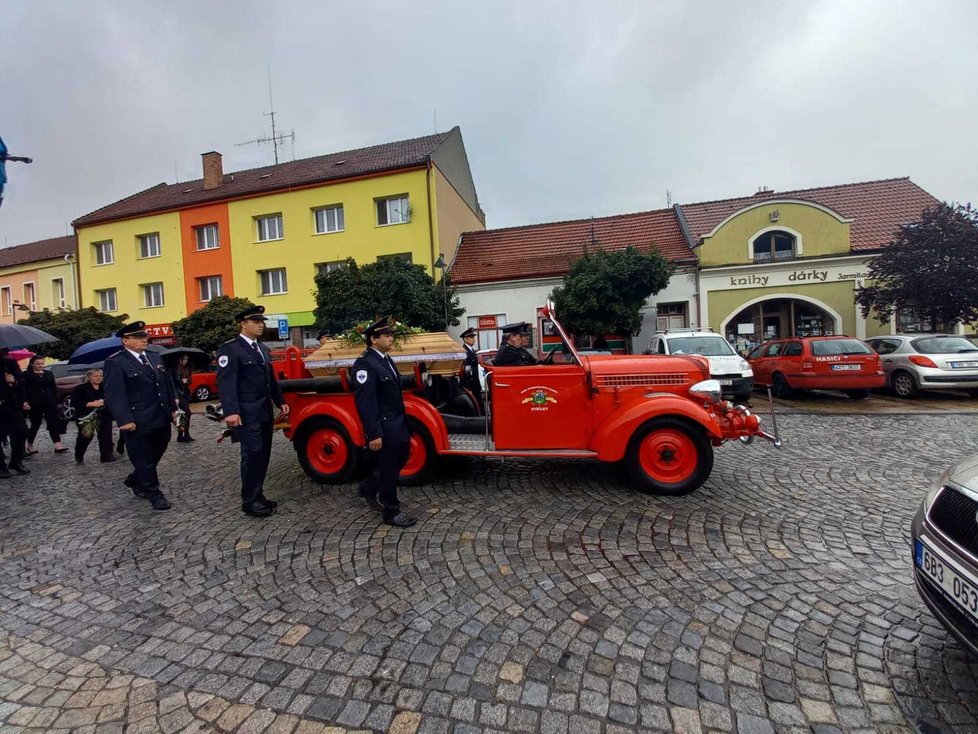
{"x": 839, "y": 346}
{"x": 708, "y": 346}
{"x": 943, "y": 345}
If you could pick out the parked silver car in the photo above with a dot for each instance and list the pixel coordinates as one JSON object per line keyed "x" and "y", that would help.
{"x": 915, "y": 362}
{"x": 945, "y": 551}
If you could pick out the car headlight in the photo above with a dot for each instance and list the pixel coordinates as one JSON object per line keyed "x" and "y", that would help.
{"x": 744, "y": 366}
{"x": 708, "y": 390}
{"x": 935, "y": 490}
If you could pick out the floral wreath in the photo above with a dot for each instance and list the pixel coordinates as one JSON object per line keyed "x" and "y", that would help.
{"x": 354, "y": 336}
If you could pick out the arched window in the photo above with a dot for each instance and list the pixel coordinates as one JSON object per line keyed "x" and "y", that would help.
{"x": 773, "y": 245}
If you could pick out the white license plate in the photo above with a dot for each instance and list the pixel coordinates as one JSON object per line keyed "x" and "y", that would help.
{"x": 725, "y": 382}
{"x": 956, "y": 586}
{"x": 847, "y": 367}
{"x": 963, "y": 365}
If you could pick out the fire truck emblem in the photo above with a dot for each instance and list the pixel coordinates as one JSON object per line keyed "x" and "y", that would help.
{"x": 538, "y": 397}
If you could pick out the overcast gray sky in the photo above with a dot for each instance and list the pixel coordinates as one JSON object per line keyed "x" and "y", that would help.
{"x": 568, "y": 109}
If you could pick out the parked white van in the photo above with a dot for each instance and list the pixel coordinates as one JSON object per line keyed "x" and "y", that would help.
{"x": 726, "y": 366}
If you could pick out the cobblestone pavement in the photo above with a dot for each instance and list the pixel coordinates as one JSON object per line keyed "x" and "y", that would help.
{"x": 531, "y": 597}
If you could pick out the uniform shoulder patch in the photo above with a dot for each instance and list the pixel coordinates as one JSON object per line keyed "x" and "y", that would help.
{"x": 361, "y": 376}
{"x": 222, "y": 361}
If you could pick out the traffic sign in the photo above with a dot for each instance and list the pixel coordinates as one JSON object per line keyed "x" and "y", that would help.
{"x": 283, "y": 328}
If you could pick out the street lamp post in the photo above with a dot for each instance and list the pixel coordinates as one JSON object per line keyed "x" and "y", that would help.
{"x": 442, "y": 265}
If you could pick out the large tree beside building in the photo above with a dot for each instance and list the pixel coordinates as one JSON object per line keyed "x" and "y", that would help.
{"x": 353, "y": 293}
{"x": 603, "y": 292}
{"x": 930, "y": 269}
{"x": 209, "y": 327}
{"x": 73, "y": 327}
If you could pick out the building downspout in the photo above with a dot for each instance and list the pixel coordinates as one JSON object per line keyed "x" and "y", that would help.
{"x": 431, "y": 224}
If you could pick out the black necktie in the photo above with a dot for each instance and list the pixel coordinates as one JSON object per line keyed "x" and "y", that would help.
{"x": 390, "y": 363}
{"x": 254, "y": 345}
{"x": 142, "y": 358}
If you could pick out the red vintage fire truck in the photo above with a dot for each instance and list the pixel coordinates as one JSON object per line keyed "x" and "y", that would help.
{"x": 659, "y": 415}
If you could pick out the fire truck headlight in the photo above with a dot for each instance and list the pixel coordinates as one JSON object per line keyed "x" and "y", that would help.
{"x": 708, "y": 390}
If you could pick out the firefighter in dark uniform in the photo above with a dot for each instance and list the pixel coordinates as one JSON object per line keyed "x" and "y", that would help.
{"x": 377, "y": 393}
{"x": 470, "y": 368}
{"x": 512, "y": 353}
{"x": 249, "y": 393}
{"x": 140, "y": 398}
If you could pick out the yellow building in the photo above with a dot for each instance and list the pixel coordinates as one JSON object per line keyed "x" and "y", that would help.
{"x": 265, "y": 233}
{"x": 37, "y": 276}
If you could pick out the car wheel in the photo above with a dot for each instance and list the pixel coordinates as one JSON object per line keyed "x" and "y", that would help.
{"x": 903, "y": 384}
{"x": 860, "y": 394}
{"x": 669, "y": 456}
{"x": 66, "y": 410}
{"x": 422, "y": 459}
{"x": 325, "y": 451}
{"x": 780, "y": 386}
{"x": 202, "y": 393}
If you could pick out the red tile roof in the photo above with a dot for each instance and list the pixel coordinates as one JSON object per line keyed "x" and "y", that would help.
{"x": 36, "y": 251}
{"x": 878, "y": 208}
{"x": 305, "y": 172}
{"x": 542, "y": 250}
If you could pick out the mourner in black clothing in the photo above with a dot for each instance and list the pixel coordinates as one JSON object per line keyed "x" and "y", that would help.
{"x": 182, "y": 375}
{"x": 87, "y": 398}
{"x": 513, "y": 351}
{"x": 139, "y": 397}
{"x": 13, "y": 402}
{"x": 42, "y": 394}
{"x": 380, "y": 404}
{"x": 249, "y": 395}
{"x": 470, "y": 368}
{"x": 322, "y": 336}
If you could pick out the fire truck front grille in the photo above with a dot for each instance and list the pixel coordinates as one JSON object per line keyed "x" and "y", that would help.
{"x": 661, "y": 380}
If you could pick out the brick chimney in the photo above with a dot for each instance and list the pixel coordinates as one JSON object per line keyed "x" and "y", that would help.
{"x": 213, "y": 169}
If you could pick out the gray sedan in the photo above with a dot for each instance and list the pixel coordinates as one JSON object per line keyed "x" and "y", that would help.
{"x": 915, "y": 362}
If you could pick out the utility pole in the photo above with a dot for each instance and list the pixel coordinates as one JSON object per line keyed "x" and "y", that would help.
{"x": 276, "y": 138}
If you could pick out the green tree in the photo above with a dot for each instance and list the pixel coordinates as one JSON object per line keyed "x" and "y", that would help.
{"x": 209, "y": 327}
{"x": 930, "y": 268}
{"x": 603, "y": 292}
{"x": 351, "y": 294}
{"x": 73, "y": 328}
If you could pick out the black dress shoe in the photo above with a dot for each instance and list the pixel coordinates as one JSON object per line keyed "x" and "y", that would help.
{"x": 400, "y": 520}
{"x": 265, "y": 501}
{"x": 371, "y": 499}
{"x": 129, "y": 482}
{"x": 257, "y": 509}
{"x": 160, "y": 503}
{"x": 5, "y": 474}
{"x": 20, "y": 469}
{"x": 108, "y": 460}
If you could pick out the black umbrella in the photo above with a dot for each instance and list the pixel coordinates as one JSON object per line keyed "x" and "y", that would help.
{"x": 19, "y": 335}
{"x": 199, "y": 359}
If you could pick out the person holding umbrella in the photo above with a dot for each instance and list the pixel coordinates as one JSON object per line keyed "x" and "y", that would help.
{"x": 42, "y": 395}
{"x": 12, "y": 404}
{"x": 140, "y": 398}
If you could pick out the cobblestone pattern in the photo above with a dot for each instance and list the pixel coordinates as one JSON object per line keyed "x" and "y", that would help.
{"x": 532, "y": 596}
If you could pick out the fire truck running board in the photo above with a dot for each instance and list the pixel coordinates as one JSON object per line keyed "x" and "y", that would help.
{"x": 467, "y": 444}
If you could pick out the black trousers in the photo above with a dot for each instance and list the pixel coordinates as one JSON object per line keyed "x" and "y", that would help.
{"x": 256, "y": 451}
{"x": 50, "y": 415}
{"x": 15, "y": 427}
{"x": 104, "y": 435}
{"x": 393, "y": 455}
{"x": 184, "y": 402}
{"x": 145, "y": 449}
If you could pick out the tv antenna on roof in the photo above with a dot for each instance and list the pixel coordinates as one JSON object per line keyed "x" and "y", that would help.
{"x": 276, "y": 137}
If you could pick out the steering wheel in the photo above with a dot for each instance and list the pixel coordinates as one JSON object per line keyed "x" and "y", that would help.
{"x": 549, "y": 359}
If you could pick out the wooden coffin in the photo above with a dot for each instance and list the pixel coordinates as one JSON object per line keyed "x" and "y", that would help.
{"x": 442, "y": 355}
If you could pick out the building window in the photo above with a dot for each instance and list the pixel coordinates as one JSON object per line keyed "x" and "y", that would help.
{"x": 329, "y": 219}
{"x": 393, "y": 211}
{"x": 103, "y": 253}
{"x": 273, "y": 282}
{"x": 210, "y": 287}
{"x": 58, "y": 292}
{"x": 773, "y": 245}
{"x": 910, "y": 321}
{"x": 670, "y": 316}
{"x": 6, "y": 300}
{"x": 404, "y": 256}
{"x": 329, "y": 267}
{"x": 30, "y": 299}
{"x": 149, "y": 245}
{"x": 152, "y": 295}
{"x": 107, "y": 300}
{"x": 207, "y": 237}
{"x": 269, "y": 227}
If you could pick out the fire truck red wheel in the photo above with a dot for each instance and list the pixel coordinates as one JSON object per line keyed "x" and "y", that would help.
{"x": 422, "y": 459}
{"x": 669, "y": 456}
{"x": 325, "y": 451}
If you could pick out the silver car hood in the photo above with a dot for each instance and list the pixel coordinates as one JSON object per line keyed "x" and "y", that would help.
{"x": 966, "y": 473}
